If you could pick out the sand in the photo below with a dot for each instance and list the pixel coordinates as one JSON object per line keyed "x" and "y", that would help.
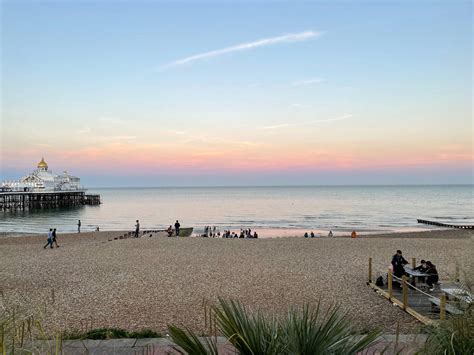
{"x": 92, "y": 282}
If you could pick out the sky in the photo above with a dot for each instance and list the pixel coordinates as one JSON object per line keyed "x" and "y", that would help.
{"x": 194, "y": 93}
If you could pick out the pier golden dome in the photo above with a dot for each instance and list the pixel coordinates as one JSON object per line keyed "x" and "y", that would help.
{"x": 42, "y": 164}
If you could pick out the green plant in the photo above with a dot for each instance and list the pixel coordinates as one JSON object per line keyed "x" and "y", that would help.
{"x": 22, "y": 331}
{"x": 190, "y": 343}
{"x": 110, "y": 333}
{"x": 144, "y": 333}
{"x": 302, "y": 331}
{"x": 308, "y": 331}
{"x": 454, "y": 336}
{"x": 248, "y": 333}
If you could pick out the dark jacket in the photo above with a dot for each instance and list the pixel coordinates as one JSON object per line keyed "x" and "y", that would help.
{"x": 432, "y": 271}
{"x": 398, "y": 261}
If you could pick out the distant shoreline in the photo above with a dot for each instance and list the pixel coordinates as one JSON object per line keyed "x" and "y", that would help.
{"x": 269, "y": 233}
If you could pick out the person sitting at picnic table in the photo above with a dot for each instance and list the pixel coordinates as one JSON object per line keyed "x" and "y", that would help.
{"x": 422, "y": 267}
{"x": 398, "y": 263}
{"x": 432, "y": 275}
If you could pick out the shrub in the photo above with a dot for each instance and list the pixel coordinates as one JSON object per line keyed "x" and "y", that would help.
{"x": 302, "y": 331}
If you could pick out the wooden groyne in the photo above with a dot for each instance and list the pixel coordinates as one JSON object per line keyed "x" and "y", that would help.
{"x": 18, "y": 200}
{"x": 439, "y": 224}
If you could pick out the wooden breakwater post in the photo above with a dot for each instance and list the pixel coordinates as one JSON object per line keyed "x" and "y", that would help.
{"x": 370, "y": 270}
{"x": 405, "y": 292}
{"x": 439, "y": 224}
{"x": 442, "y": 307}
{"x": 31, "y": 200}
{"x": 390, "y": 284}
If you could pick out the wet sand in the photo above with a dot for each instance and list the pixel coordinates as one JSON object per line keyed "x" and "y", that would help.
{"x": 92, "y": 282}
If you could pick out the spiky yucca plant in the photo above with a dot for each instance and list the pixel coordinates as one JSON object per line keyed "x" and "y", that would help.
{"x": 302, "y": 331}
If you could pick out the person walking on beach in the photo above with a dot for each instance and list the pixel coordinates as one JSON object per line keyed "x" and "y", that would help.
{"x": 137, "y": 229}
{"x": 176, "y": 227}
{"x": 54, "y": 239}
{"x": 50, "y": 239}
{"x": 330, "y": 234}
{"x": 79, "y": 226}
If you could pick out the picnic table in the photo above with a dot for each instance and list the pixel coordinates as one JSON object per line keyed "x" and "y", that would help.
{"x": 414, "y": 274}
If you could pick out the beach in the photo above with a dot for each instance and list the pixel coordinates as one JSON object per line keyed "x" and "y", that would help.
{"x": 94, "y": 281}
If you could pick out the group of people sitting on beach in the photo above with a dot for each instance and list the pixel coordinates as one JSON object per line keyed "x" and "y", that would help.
{"x": 213, "y": 232}
{"x": 312, "y": 235}
{"x": 426, "y": 267}
{"x": 51, "y": 239}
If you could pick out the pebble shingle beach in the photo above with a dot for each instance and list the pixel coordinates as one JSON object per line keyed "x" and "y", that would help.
{"x": 91, "y": 282}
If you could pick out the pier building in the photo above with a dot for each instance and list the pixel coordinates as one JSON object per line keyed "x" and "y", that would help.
{"x": 44, "y": 189}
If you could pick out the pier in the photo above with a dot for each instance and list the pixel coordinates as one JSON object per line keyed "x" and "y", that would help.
{"x": 439, "y": 224}
{"x": 18, "y": 200}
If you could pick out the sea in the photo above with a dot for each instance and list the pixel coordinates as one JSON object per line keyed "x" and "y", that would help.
{"x": 282, "y": 210}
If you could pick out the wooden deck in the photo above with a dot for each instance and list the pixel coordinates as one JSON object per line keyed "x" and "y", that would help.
{"x": 418, "y": 301}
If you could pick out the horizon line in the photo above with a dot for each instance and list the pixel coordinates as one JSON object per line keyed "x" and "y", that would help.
{"x": 263, "y": 186}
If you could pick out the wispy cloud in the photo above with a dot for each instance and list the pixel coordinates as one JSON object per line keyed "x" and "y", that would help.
{"x": 283, "y": 125}
{"x": 307, "y": 82}
{"x": 292, "y": 37}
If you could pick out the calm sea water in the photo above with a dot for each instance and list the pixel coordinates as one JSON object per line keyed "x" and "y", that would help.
{"x": 367, "y": 208}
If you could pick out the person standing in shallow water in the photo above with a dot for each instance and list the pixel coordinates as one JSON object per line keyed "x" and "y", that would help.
{"x": 176, "y": 227}
{"x": 79, "y": 226}
{"x": 137, "y": 229}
